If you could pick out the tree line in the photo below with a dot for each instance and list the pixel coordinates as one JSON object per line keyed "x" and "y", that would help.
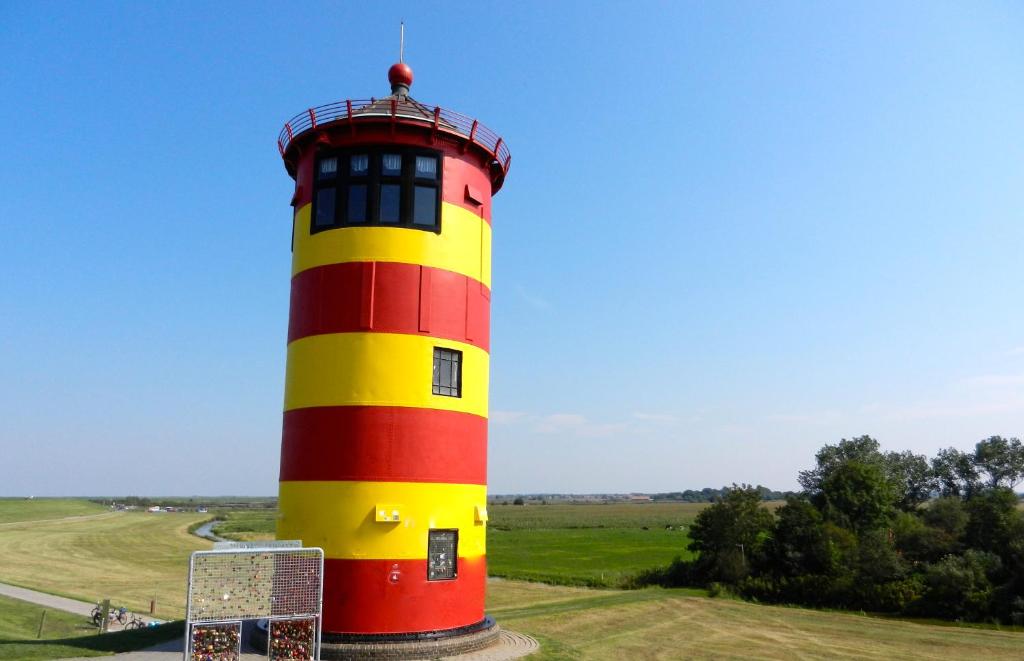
{"x": 709, "y": 495}
{"x": 886, "y": 532}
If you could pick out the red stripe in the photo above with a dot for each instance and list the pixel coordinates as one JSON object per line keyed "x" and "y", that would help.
{"x": 360, "y": 596}
{"x": 383, "y": 444}
{"x": 389, "y": 297}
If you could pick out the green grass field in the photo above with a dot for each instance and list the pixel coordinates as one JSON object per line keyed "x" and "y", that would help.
{"x": 23, "y": 509}
{"x": 610, "y": 515}
{"x": 598, "y": 545}
{"x": 247, "y": 525}
{"x": 65, "y": 635}
{"x": 598, "y": 557}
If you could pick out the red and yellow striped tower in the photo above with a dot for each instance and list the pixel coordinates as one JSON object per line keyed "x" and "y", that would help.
{"x": 384, "y": 450}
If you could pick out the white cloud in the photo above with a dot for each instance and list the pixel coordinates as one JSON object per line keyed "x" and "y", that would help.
{"x": 667, "y": 418}
{"x": 576, "y": 425}
{"x": 506, "y": 417}
{"x": 814, "y": 418}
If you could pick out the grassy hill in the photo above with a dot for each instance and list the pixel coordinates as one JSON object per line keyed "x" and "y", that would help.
{"x": 36, "y": 509}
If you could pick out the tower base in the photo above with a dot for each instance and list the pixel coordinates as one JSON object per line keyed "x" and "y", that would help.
{"x": 398, "y": 647}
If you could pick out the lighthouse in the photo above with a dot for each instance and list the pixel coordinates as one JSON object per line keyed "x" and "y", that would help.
{"x": 384, "y": 444}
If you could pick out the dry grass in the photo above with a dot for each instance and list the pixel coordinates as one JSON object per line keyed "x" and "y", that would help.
{"x": 668, "y": 624}
{"x": 129, "y": 557}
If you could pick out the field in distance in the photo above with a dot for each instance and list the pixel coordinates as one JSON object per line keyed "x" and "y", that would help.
{"x": 594, "y": 544}
{"x": 13, "y": 510}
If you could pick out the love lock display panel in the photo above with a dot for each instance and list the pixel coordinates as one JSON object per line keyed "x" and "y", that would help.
{"x": 227, "y": 586}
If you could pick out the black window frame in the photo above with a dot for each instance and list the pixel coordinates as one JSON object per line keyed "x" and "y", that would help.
{"x": 343, "y": 179}
{"x": 435, "y": 386}
{"x": 454, "y": 551}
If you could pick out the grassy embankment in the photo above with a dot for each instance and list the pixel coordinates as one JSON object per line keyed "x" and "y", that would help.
{"x": 129, "y": 557}
{"x": 66, "y": 635}
{"x": 13, "y": 510}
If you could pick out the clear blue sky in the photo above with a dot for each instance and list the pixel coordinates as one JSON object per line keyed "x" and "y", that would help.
{"x": 732, "y": 232}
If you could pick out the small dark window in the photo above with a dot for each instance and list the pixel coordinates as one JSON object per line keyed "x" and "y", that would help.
{"x": 324, "y": 207}
{"x": 442, "y": 554}
{"x": 390, "y": 203}
{"x": 424, "y": 210}
{"x": 328, "y": 168}
{"x": 357, "y": 203}
{"x": 359, "y": 165}
{"x": 447, "y": 372}
{"x": 426, "y": 167}
{"x": 394, "y": 186}
{"x": 391, "y": 165}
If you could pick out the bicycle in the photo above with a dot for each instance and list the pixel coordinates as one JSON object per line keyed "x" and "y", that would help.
{"x": 135, "y": 622}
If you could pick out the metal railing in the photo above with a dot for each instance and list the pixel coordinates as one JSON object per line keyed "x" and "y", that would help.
{"x": 406, "y": 110}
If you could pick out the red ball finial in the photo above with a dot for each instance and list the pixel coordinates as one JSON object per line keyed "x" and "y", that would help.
{"x": 400, "y": 74}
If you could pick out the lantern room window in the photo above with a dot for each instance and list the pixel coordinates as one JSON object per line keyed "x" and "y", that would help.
{"x": 442, "y": 555}
{"x": 447, "y": 372}
{"x": 395, "y": 187}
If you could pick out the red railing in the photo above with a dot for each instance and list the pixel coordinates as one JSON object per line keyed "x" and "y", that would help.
{"x": 434, "y": 116}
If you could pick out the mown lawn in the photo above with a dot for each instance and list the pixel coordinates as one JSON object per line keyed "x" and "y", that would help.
{"x": 36, "y": 509}
{"x": 66, "y": 635}
{"x": 577, "y": 623}
{"x": 128, "y": 557}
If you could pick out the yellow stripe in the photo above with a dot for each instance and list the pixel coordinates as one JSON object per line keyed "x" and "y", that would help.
{"x": 340, "y": 517}
{"x": 463, "y": 246}
{"x": 379, "y": 369}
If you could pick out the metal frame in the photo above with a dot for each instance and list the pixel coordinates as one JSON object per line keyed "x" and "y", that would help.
{"x": 264, "y": 605}
{"x": 407, "y": 110}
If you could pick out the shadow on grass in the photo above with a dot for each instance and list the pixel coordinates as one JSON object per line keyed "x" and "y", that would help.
{"x": 107, "y": 643}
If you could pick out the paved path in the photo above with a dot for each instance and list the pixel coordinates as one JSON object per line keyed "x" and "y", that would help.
{"x": 83, "y": 608}
{"x": 48, "y": 600}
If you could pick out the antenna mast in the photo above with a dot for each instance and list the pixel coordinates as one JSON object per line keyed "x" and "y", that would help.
{"x": 401, "y": 43}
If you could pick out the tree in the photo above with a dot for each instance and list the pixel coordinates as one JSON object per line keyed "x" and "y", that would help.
{"x": 800, "y": 544}
{"x": 1002, "y": 459}
{"x": 994, "y": 523}
{"x": 519, "y": 501}
{"x": 730, "y": 534}
{"x": 955, "y": 473}
{"x": 856, "y": 496}
{"x": 863, "y": 449}
{"x": 912, "y": 478}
